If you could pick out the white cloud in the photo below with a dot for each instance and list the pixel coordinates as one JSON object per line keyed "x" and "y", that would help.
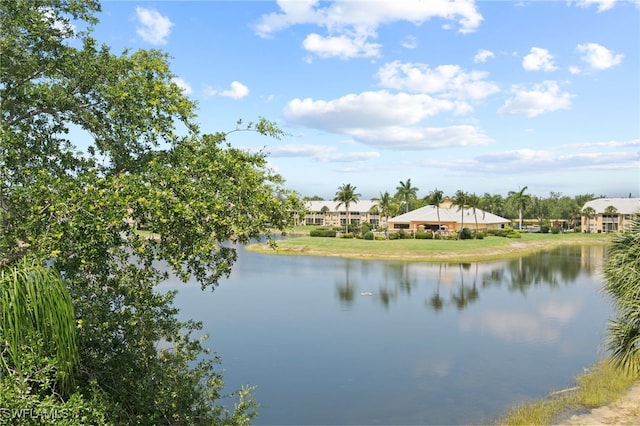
{"x": 320, "y": 153}
{"x": 154, "y": 28}
{"x": 598, "y": 57}
{"x": 602, "y": 4}
{"x": 182, "y": 84}
{"x": 409, "y": 42}
{"x": 528, "y": 160}
{"x": 351, "y": 24}
{"x": 538, "y": 59}
{"x": 341, "y": 46}
{"x": 483, "y": 55}
{"x": 606, "y": 145}
{"x": 450, "y": 81}
{"x": 545, "y": 97}
{"x": 366, "y": 110}
{"x": 586, "y": 157}
{"x": 236, "y": 91}
{"x": 410, "y": 138}
{"x": 575, "y": 70}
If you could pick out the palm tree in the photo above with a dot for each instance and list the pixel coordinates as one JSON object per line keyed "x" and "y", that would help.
{"x": 36, "y": 312}
{"x": 610, "y": 211}
{"x": 436, "y": 198}
{"x": 384, "y": 204}
{"x": 346, "y": 195}
{"x": 473, "y": 201}
{"x": 622, "y": 282}
{"x": 324, "y": 210}
{"x": 460, "y": 200}
{"x": 520, "y": 199}
{"x": 406, "y": 192}
{"x": 588, "y": 212}
{"x": 493, "y": 203}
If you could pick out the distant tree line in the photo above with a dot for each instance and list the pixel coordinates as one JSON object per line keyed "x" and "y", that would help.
{"x": 517, "y": 205}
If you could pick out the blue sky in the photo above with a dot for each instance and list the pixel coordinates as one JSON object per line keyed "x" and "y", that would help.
{"x": 484, "y": 96}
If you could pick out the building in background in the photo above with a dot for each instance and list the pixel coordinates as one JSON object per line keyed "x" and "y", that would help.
{"x": 609, "y": 214}
{"x": 328, "y": 213}
{"x": 450, "y": 219}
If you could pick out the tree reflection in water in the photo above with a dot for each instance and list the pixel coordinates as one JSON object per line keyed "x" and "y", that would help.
{"x": 436, "y": 301}
{"x": 346, "y": 290}
{"x": 465, "y": 281}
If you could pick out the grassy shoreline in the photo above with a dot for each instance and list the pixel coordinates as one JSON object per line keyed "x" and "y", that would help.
{"x": 489, "y": 248}
{"x": 599, "y": 386}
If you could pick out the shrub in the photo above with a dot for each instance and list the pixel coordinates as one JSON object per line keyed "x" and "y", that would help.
{"x": 555, "y": 230}
{"x": 424, "y": 236}
{"x": 498, "y": 232}
{"x": 353, "y": 229}
{"x": 404, "y": 235}
{"x": 368, "y": 235}
{"x": 544, "y": 229}
{"x": 322, "y": 233}
{"x": 514, "y": 234}
{"x": 347, "y": 235}
{"x": 394, "y": 236}
{"x": 466, "y": 234}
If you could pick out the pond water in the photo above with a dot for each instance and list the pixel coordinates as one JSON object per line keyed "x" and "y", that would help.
{"x": 337, "y": 341}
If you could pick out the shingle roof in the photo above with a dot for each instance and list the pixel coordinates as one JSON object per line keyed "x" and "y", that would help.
{"x": 452, "y": 214}
{"x": 623, "y": 205}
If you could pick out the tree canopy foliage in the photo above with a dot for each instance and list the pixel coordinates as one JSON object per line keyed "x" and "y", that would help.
{"x": 95, "y": 146}
{"x": 346, "y": 194}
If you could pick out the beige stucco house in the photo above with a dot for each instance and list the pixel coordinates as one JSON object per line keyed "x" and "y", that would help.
{"x": 609, "y": 214}
{"x": 451, "y": 219}
{"x": 328, "y": 213}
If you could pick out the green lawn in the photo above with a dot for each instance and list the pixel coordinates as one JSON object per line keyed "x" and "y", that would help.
{"x": 435, "y": 250}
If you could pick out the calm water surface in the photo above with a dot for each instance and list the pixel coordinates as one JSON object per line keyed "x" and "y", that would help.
{"x": 431, "y": 344}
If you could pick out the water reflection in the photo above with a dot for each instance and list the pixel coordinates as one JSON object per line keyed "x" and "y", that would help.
{"x": 464, "y": 282}
{"x": 562, "y": 265}
{"x": 342, "y": 341}
{"x": 346, "y": 289}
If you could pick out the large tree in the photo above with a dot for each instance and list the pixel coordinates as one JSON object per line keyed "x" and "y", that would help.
{"x": 473, "y": 201}
{"x": 520, "y": 200}
{"x": 460, "y": 199}
{"x": 436, "y": 197}
{"x": 345, "y": 195}
{"x": 588, "y": 212}
{"x": 405, "y": 192}
{"x": 94, "y": 146}
{"x": 622, "y": 283}
{"x": 385, "y": 205}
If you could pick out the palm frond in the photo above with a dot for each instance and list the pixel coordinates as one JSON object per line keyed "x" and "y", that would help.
{"x": 35, "y": 306}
